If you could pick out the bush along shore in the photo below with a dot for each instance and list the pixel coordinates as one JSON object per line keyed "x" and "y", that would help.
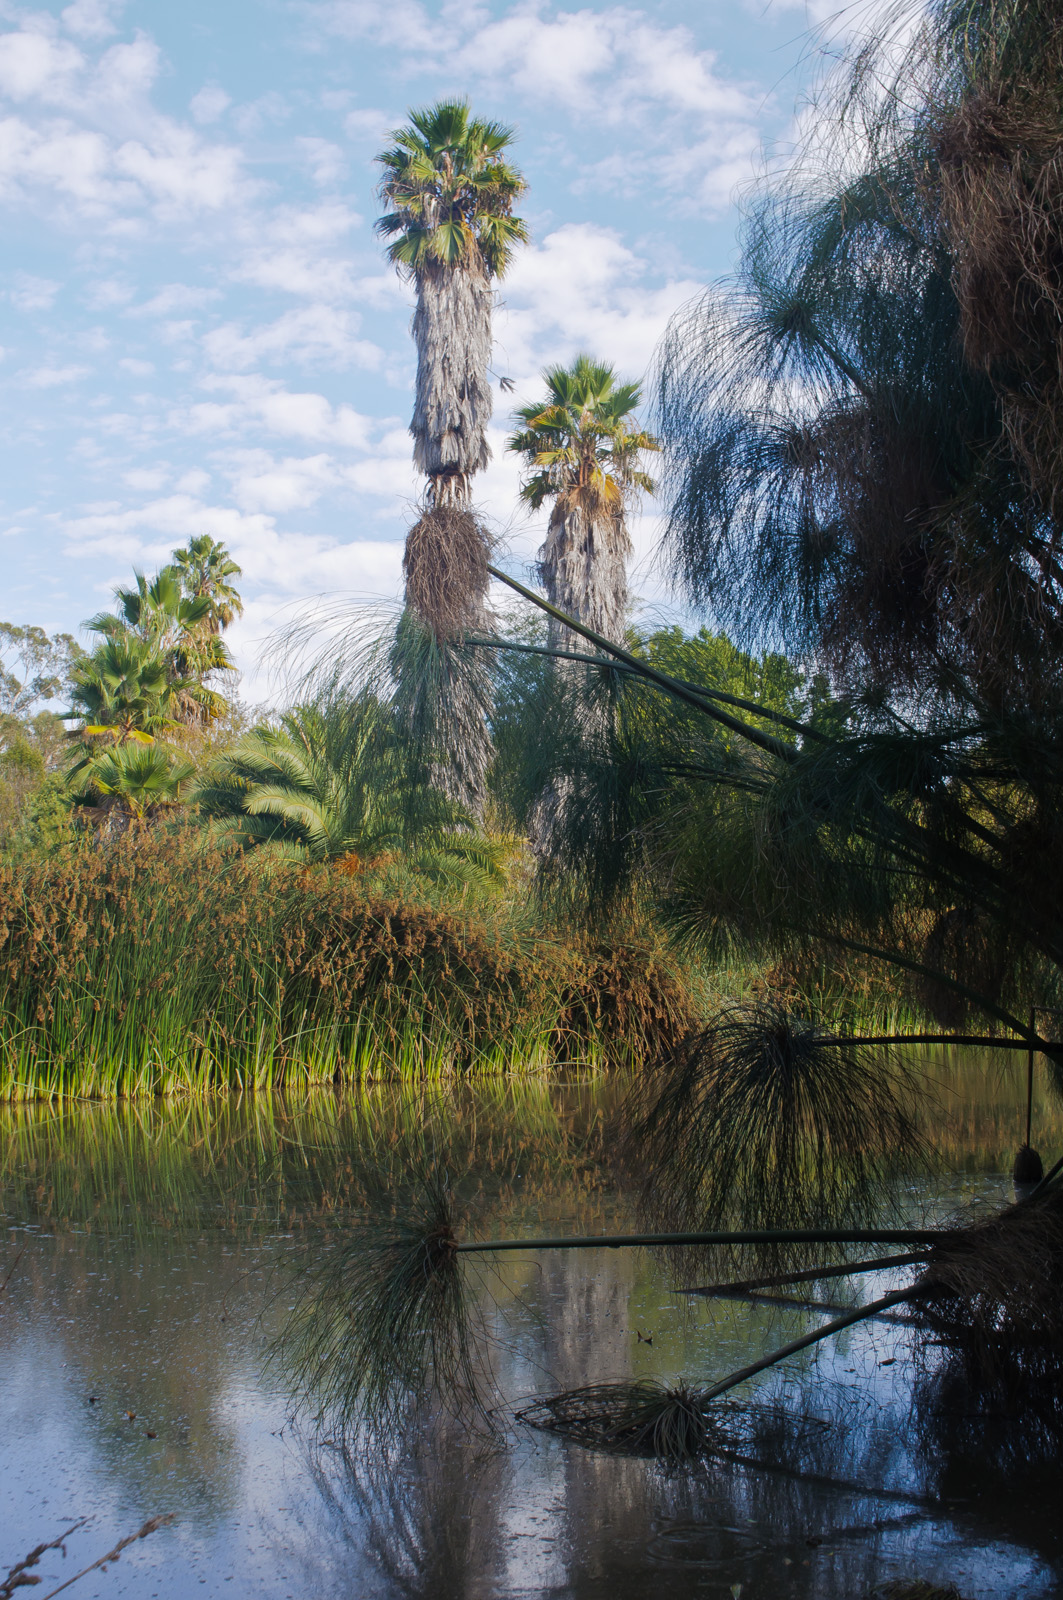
{"x": 161, "y": 962}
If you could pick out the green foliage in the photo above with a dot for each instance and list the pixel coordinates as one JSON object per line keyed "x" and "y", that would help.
{"x": 121, "y": 691}
{"x": 155, "y": 959}
{"x": 132, "y": 779}
{"x": 450, "y": 192}
{"x": 33, "y": 668}
{"x": 205, "y": 568}
{"x": 149, "y": 673}
{"x": 334, "y": 780}
{"x": 580, "y": 446}
{"x": 764, "y": 1122}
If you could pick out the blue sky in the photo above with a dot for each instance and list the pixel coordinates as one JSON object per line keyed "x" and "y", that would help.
{"x": 199, "y": 331}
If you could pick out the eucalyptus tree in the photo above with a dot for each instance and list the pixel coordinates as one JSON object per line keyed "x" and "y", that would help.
{"x": 583, "y": 452}
{"x": 449, "y": 193}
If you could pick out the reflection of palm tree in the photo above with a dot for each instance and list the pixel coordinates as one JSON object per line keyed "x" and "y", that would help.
{"x": 428, "y": 1513}
{"x": 450, "y": 193}
{"x": 583, "y": 453}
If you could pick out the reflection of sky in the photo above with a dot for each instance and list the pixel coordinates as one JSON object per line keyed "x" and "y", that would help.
{"x": 129, "y": 1303}
{"x": 262, "y": 1512}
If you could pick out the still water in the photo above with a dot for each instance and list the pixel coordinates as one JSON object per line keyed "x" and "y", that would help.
{"x": 150, "y": 1258}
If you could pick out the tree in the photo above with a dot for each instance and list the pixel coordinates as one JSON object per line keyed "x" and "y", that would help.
{"x": 121, "y": 692}
{"x": 582, "y": 452}
{"x": 331, "y": 782}
{"x": 130, "y": 780}
{"x": 205, "y": 567}
{"x": 449, "y": 193}
{"x": 184, "y": 630}
{"x": 33, "y": 667}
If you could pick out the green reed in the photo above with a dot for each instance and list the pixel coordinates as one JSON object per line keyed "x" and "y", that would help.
{"x": 160, "y": 963}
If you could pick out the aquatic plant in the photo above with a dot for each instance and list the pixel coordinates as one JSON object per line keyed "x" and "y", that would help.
{"x": 767, "y": 1121}
{"x": 159, "y": 961}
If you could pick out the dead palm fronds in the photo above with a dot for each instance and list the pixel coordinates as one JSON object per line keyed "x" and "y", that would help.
{"x": 445, "y": 567}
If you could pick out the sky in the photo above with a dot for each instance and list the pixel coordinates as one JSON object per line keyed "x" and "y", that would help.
{"x": 199, "y": 330}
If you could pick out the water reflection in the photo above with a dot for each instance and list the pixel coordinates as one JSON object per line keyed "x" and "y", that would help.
{"x": 158, "y": 1246}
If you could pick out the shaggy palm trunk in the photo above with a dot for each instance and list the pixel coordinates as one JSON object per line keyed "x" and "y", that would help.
{"x": 583, "y": 568}
{"x": 453, "y": 402}
{"x": 446, "y": 552}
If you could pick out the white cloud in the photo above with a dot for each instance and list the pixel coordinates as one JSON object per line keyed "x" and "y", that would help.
{"x": 90, "y": 136}
{"x": 33, "y": 294}
{"x": 258, "y": 402}
{"x": 261, "y": 483}
{"x": 209, "y": 104}
{"x": 326, "y": 160}
{"x": 138, "y": 369}
{"x": 146, "y": 480}
{"x": 92, "y": 19}
{"x": 615, "y": 67}
{"x": 175, "y": 297}
{"x": 583, "y": 289}
{"x": 371, "y": 126}
{"x": 313, "y": 335}
{"x": 53, "y": 377}
{"x": 251, "y": 119}
{"x": 286, "y": 566}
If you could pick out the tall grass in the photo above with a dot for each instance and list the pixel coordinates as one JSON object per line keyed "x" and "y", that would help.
{"x": 160, "y": 962}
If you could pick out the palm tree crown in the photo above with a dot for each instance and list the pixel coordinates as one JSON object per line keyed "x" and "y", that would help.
{"x": 205, "y": 567}
{"x": 450, "y": 192}
{"x": 583, "y": 450}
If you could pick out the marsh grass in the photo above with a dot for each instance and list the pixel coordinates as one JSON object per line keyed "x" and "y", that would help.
{"x": 161, "y": 962}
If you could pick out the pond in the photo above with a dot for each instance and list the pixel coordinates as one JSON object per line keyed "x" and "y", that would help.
{"x": 151, "y": 1256}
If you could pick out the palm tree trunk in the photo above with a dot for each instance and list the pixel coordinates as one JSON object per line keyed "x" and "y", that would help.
{"x": 453, "y": 400}
{"x": 447, "y": 550}
{"x": 583, "y": 568}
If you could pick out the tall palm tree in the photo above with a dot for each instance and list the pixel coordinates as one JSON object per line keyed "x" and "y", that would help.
{"x": 583, "y": 452}
{"x": 205, "y": 567}
{"x": 449, "y": 194}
